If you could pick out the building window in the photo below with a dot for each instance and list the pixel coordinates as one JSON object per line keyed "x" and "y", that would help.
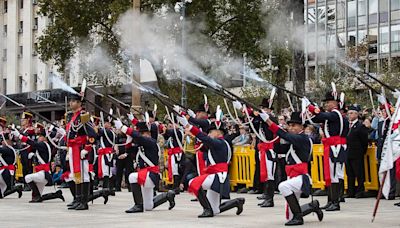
{"x": 21, "y": 27}
{"x": 21, "y": 4}
{"x": 5, "y": 6}
{"x": 20, "y": 51}
{"x": 4, "y": 55}
{"x": 35, "y": 81}
{"x": 395, "y": 5}
{"x": 20, "y": 81}
{"x": 5, "y": 86}
{"x": 35, "y": 49}
{"x": 36, "y": 23}
{"x": 4, "y": 30}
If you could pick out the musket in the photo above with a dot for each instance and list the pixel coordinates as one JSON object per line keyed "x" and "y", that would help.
{"x": 380, "y": 82}
{"x": 366, "y": 85}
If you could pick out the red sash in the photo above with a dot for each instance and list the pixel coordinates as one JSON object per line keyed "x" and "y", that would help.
{"x": 328, "y": 142}
{"x": 42, "y": 167}
{"x": 262, "y": 149}
{"x": 142, "y": 173}
{"x": 172, "y": 151}
{"x": 201, "y": 164}
{"x": 296, "y": 170}
{"x": 196, "y": 183}
{"x": 101, "y": 152}
{"x": 65, "y": 175}
{"x": 91, "y": 169}
{"x": 76, "y": 145}
{"x": 9, "y": 167}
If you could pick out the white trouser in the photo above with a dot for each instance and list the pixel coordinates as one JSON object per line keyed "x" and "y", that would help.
{"x": 212, "y": 196}
{"x": 147, "y": 190}
{"x": 3, "y": 185}
{"x": 85, "y": 177}
{"x": 271, "y": 167}
{"x": 339, "y": 174}
{"x": 105, "y": 168}
{"x": 289, "y": 187}
{"x": 38, "y": 178}
{"x": 175, "y": 165}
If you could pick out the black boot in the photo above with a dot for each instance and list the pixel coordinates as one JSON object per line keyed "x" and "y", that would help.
{"x": 207, "y": 210}
{"x": 83, "y": 205}
{"x": 329, "y": 194}
{"x": 164, "y": 197}
{"x": 138, "y": 198}
{"x": 72, "y": 188}
{"x": 14, "y": 189}
{"x": 270, "y": 190}
{"x": 35, "y": 193}
{"x": 296, "y": 210}
{"x": 111, "y": 186}
{"x": 99, "y": 193}
{"x": 265, "y": 193}
{"x": 312, "y": 207}
{"x": 177, "y": 181}
{"x": 397, "y": 204}
{"x": 341, "y": 191}
{"x": 26, "y": 187}
{"x": 335, "y": 206}
{"x": 78, "y": 197}
{"x": 55, "y": 195}
{"x": 238, "y": 203}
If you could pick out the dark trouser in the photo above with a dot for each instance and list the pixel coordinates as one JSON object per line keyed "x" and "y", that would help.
{"x": 123, "y": 164}
{"x": 26, "y": 165}
{"x": 392, "y": 192}
{"x": 355, "y": 170}
{"x": 280, "y": 173}
{"x": 256, "y": 182}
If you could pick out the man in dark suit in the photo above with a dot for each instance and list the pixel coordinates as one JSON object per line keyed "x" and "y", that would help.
{"x": 357, "y": 145}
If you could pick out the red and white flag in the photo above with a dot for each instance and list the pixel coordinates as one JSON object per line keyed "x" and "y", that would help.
{"x": 391, "y": 149}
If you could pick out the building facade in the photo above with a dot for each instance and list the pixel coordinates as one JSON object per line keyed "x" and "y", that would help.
{"x": 335, "y": 26}
{"x": 21, "y": 70}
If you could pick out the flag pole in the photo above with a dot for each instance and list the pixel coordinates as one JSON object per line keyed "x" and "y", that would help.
{"x": 379, "y": 197}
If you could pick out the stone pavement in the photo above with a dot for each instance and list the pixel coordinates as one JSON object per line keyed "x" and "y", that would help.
{"x": 19, "y": 213}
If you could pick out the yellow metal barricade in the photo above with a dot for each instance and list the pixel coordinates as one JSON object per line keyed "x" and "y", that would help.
{"x": 165, "y": 173}
{"x": 18, "y": 171}
{"x": 243, "y": 166}
{"x": 370, "y": 167}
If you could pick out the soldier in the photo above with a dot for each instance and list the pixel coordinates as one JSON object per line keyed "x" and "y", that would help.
{"x": 148, "y": 175}
{"x": 297, "y": 158}
{"x": 335, "y": 130}
{"x": 41, "y": 154}
{"x": 26, "y": 130}
{"x": 265, "y": 151}
{"x": 8, "y": 159}
{"x": 80, "y": 136}
{"x": 216, "y": 179}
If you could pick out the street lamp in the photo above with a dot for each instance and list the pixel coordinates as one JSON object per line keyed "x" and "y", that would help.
{"x": 180, "y": 7}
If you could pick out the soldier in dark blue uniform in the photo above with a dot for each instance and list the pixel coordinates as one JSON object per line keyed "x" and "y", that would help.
{"x": 216, "y": 178}
{"x": 8, "y": 159}
{"x": 148, "y": 175}
{"x": 41, "y": 154}
{"x": 335, "y": 130}
{"x": 297, "y": 159}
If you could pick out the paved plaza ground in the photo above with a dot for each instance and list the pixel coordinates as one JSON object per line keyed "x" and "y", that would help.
{"x": 16, "y": 212}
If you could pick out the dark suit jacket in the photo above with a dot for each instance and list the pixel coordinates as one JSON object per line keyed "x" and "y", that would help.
{"x": 357, "y": 141}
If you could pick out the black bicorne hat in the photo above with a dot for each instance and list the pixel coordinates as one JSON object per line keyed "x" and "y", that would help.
{"x": 295, "y": 118}
{"x": 218, "y": 126}
{"x": 265, "y": 103}
{"x": 329, "y": 96}
{"x": 142, "y": 127}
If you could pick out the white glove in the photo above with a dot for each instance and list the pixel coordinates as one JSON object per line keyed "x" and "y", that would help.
{"x": 305, "y": 102}
{"x": 264, "y": 116}
{"x": 130, "y": 116}
{"x": 61, "y": 131}
{"x": 177, "y": 109}
{"x": 15, "y": 133}
{"x": 237, "y": 105}
{"x": 30, "y": 155}
{"x": 84, "y": 153}
{"x": 182, "y": 120}
{"x": 191, "y": 113}
{"x": 118, "y": 124}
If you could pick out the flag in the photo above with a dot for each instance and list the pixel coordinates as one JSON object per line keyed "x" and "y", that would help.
{"x": 390, "y": 150}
